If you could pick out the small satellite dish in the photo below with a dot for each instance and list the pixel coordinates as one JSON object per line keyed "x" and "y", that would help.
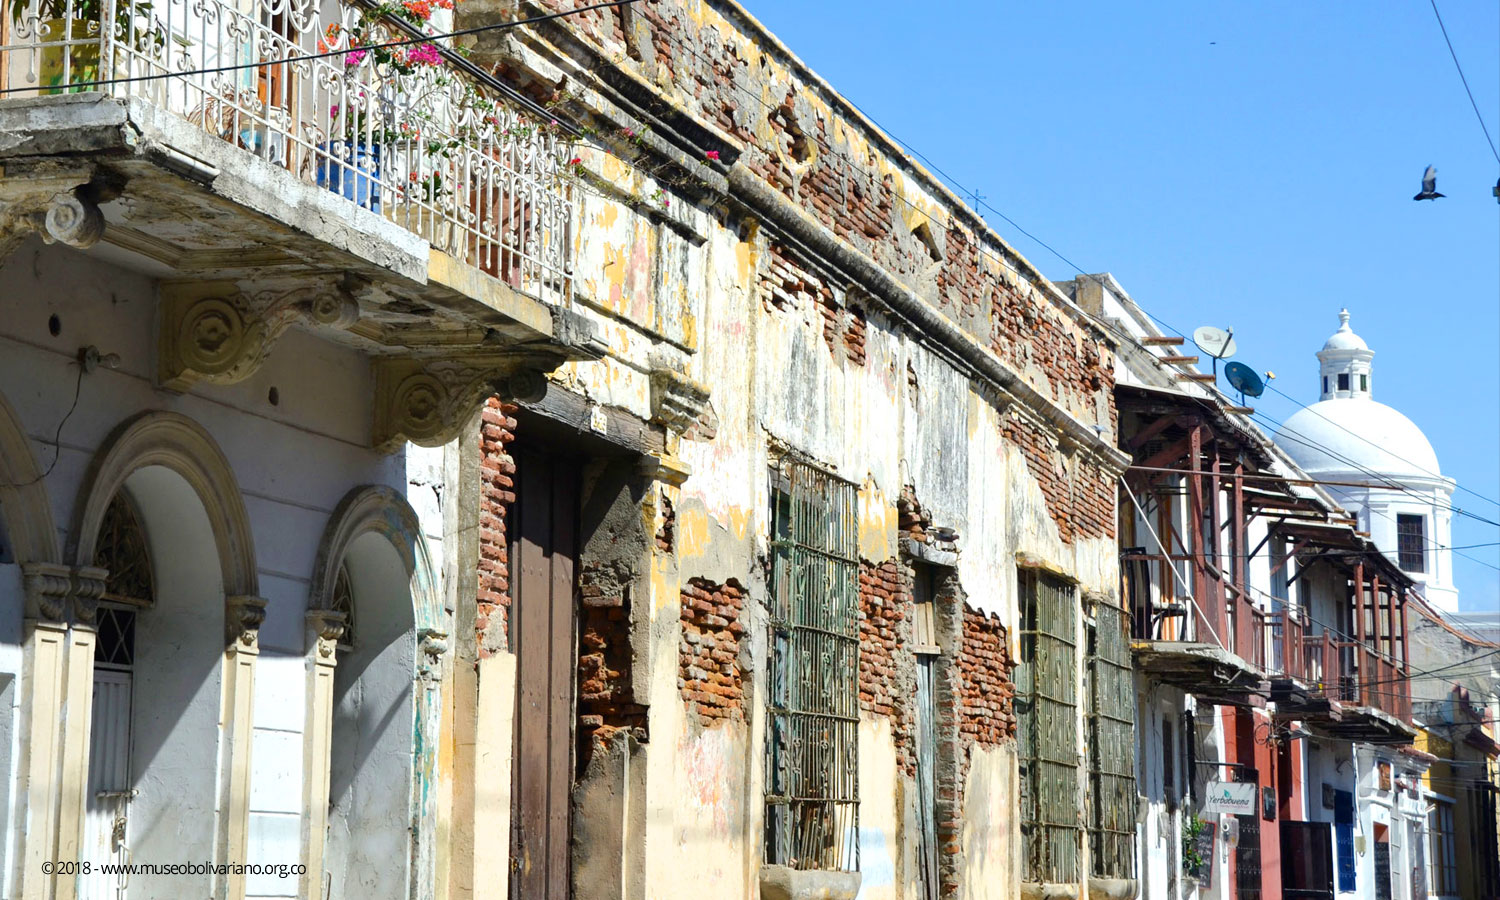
{"x": 1243, "y": 379}
{"x": 1216, "y": 342}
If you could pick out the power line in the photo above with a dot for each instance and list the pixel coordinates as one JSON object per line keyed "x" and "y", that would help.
{"x": 1465, "y": 80}
{"x": 1386, "y": 450}
{"x": 409, "y": 42}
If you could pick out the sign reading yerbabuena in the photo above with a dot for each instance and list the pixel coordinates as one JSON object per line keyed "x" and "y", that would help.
{"x": 1230, "y": 798}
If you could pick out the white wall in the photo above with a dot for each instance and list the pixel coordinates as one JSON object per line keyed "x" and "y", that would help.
{"x": 293, "y": 462}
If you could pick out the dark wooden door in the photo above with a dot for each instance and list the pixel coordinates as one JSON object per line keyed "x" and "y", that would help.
{"x": 1306, "y": 860}
{"x": 543, "y": 549}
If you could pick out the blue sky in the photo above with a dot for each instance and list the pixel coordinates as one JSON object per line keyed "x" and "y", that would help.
{"x": 1235, "y": 164}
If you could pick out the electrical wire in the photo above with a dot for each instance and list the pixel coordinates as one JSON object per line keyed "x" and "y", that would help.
{"x": 56, "y": 438}
{"x": 302, "y": 58}
{"x": 1465, "y": 80}
{"x": 1383, "y": 449}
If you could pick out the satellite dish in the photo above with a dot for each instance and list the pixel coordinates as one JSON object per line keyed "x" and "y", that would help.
{"x": 1243, "y": 379}
{"x": 1216, "y": 342}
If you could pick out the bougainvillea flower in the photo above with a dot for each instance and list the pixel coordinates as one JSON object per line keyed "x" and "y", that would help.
{"x": 424, "y": 55}
{"x": 713, "y": 155}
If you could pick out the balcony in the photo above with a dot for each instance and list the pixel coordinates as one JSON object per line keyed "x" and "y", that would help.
{"x": 332, "y": 166}
{"x": 413, "y": 134}
{"x": 1205, "y": 646}
{"x": 1337, "y": 684}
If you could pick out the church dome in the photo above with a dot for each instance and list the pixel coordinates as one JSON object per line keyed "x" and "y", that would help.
{"x": 1346, "y": 435}
{"x": 1345, "y": 338}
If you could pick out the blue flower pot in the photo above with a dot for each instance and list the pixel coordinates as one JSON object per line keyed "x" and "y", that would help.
{"x": 360, "y": 184}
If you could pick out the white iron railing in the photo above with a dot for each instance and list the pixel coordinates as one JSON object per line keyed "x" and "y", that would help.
{"x": 407, "y": 132}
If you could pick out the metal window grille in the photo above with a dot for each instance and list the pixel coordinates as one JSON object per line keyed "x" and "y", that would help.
{"x": 812, "y": 741}
{"x": 1444, "y": 849}
{"x": 1047, "y": 694}
{"x": 1411, "y": 543}
{"x": 1111, "y": 747}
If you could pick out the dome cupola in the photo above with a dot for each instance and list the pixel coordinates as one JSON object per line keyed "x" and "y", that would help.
{"x": 1345, "y": 364}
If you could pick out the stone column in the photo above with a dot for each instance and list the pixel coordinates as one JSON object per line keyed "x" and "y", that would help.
{"x": 43, "y": 675}
{"x": 87, "y": 586}
{"x": 242, "y": 616}
{"x": 324, "y": 628}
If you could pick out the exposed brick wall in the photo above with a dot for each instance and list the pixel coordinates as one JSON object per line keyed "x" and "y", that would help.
{"x": 666, "y": 535}
{"x": 708, "y": 671}
{"x": 886, "y": 670}
{"x": 986, "y": 693}
{"x": 834, "y": 170}
{"x": 1080, "y": 494}
{"x": 497, "y": 471}
{"x": 788, "y": 284}
{"x": 606, "y": 696}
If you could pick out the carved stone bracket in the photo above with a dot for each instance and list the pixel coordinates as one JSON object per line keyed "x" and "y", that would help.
{"x": 52, "y": 589}
{"x": 47, "y": 586}
{"x": 676, "y": 400}
{"x": 60, "y": 203}
{"x": 325, "y": 627}
{"x": 88, "y": 587}
{"x": 432, "y": 644}
{"x": 219, "y": 333}
{"x": 242, "y": 617}
{"x": 427, "y": 402}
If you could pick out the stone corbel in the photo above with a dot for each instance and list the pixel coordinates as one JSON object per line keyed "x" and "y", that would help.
{"x": 88, "y": 586}
{"x": 325, "y": 627}
{"x": 47, "y": 586}
{"x": 242, "y": 617}
{"x": 676, "y": 400}
{"x": 59, "y": 203}
{"x": 220, "y": 333}
{"x": 432, "y": 645}
{"x": 427, "y": 402}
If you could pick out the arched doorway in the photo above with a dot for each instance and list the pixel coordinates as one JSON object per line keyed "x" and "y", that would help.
{"x": 372, "y": 810}
{"x": 154, "y": 744}
{"x": 172, "y": 669}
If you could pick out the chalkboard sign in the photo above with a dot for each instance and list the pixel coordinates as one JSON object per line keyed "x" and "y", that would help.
{"x": 1383, "y": 870}
{"x": 1206, "y": 853}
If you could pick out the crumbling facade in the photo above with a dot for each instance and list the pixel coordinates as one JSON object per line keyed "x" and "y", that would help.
{"x": 534, "y": 472}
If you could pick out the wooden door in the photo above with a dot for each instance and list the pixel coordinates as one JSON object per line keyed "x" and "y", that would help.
{"x": 543, "y": 550}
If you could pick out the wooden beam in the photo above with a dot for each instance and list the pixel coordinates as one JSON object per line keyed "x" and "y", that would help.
{"x": 1163, "y": 341}
{"x": 1178, "y": 360}
{"x": 1201, "y": 377}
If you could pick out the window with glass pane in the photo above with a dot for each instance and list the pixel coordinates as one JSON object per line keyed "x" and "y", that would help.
{"x": 812, "y": 791}
{"x": 1047, "y": 731}
{"x": 1444, "y": 849}
{"x": 1411, "y": 543}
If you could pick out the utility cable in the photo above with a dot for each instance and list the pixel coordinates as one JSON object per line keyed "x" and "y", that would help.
{"x": 1465, "y": 80}
{"x": 308, "y": 57}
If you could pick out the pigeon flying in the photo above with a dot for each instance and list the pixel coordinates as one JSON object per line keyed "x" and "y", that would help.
{"x": 1429, "y": 185}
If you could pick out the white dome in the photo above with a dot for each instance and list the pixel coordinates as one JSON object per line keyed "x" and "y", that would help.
{"x": 1370, "y": 435}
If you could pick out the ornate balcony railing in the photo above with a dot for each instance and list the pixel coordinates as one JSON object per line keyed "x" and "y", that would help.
{"x": 413, "y": 133}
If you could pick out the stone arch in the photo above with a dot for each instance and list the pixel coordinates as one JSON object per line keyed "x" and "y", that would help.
{"x": 378, "y": 710}
{"x": 376, "y": 509}
{"x": 175, "y": 442}
{"x": 23, "y": 496}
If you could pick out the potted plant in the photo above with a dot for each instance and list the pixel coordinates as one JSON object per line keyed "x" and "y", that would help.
{"x": 70, "y": 33}
{"x": 349, "y": 162}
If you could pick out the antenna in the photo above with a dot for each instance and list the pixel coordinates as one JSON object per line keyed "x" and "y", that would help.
{"x": 1216, "y": 342}
{"x": 1243, "y": 379}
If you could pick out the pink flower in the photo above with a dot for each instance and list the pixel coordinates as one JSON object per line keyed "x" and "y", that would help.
{"x": 424, "y": 55}
{"x": 576, "y": 161}
{"x": 628, "y": 132}
{"x": 713, "y": 155}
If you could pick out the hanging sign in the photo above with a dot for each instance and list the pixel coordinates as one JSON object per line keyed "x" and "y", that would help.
{"x": 1231, "y": 799}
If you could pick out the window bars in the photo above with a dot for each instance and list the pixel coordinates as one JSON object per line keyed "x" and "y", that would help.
{"x": 812, "y": 740}
{"x": 1111, "y": 746}
{"x": 407, "y": 132}
{"x": 1047, "y": 728}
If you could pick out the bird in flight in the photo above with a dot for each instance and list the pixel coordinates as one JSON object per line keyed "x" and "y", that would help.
{"x": 1429, "y": 185}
